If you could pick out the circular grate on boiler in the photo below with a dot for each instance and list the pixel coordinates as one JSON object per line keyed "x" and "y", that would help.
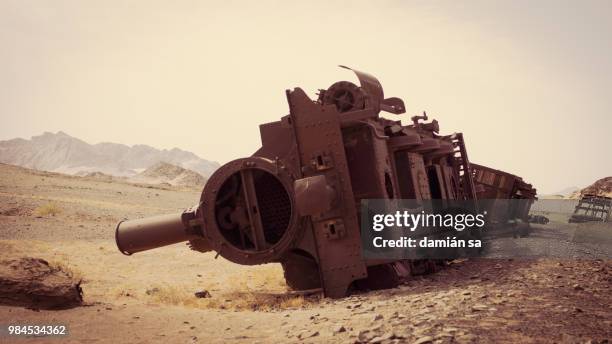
{"x": 273, "y": 208}
{"x": 274, "y": 205}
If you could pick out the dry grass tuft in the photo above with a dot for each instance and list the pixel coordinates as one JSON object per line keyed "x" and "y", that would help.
{"x": 260, "y": 288}
{"x": 266, "y": 278}
{"x": 297, "y": 301}
{"x": 170, "y": 295}
{"x": 48, "y": 209}
{"x": 265, "y": 302}
{"x": 237, "y": 301}
{"x": 63, "y": 265}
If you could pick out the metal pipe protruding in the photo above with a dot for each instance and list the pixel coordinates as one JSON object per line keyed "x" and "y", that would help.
{"x": 139, "y": 235}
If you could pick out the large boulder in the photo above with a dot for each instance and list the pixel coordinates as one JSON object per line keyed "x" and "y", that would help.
{"x": 33, "y": 283}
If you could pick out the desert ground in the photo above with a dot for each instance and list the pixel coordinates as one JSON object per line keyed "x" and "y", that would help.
{"x": 149, "y": 297}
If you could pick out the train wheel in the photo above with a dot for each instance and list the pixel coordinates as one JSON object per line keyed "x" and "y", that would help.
{"x": 301, "y": 271}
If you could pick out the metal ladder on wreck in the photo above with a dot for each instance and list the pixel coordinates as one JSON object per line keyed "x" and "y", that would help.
{"x": 462, "y": 164}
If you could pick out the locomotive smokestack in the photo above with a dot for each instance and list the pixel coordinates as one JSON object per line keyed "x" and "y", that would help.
{"x": 145, "y": 234}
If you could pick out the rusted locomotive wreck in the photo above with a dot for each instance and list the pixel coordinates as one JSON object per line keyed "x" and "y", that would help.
{"x": 296, "y": 200}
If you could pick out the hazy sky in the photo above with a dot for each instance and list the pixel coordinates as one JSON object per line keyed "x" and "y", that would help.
{"x": 529, "y": 83}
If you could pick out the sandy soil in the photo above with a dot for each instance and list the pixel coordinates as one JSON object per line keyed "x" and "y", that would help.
{"x": 149, "y": 297}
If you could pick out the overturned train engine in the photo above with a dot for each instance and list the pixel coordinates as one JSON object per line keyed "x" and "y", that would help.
{"x": 296, "y": 200}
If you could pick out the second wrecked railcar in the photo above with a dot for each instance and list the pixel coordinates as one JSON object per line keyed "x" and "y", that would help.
{"x": 494, "y": 188}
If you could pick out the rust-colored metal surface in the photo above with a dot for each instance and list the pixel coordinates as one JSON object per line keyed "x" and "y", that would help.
{"x": 499, "y": 185}
{"x": 145, "y": 234}
{"x": 296, "y": 200}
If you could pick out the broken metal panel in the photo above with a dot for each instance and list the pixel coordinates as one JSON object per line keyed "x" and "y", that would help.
{"x": 371, "y": 87}
{"x": 361, "y": 156}
{"x": 412, "y": 176}
{"x": 336, "y": 231}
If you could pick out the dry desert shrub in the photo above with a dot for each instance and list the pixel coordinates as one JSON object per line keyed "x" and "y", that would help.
{"x": 48, "y": 209}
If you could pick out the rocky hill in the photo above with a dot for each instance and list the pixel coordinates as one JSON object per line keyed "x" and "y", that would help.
{"x": 63, "y": 153}
{"x": 171, "y": 174}
{"x": 602, "y": 187}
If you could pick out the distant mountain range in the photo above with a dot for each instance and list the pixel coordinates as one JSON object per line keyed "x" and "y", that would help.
{"x": 561, "y": 194}
{"x": 567, "y": 191}
{"x": 63, "y": 153}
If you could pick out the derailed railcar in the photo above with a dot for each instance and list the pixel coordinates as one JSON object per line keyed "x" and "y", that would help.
{"x": 592, "y": 208}
{"x": 494, "y": 188}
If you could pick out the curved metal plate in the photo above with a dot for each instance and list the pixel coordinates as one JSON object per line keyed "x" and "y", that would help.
{"x": 371, "y": 85}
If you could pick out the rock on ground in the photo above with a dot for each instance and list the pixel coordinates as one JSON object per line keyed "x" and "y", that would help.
{"x": 33, "y": 283}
